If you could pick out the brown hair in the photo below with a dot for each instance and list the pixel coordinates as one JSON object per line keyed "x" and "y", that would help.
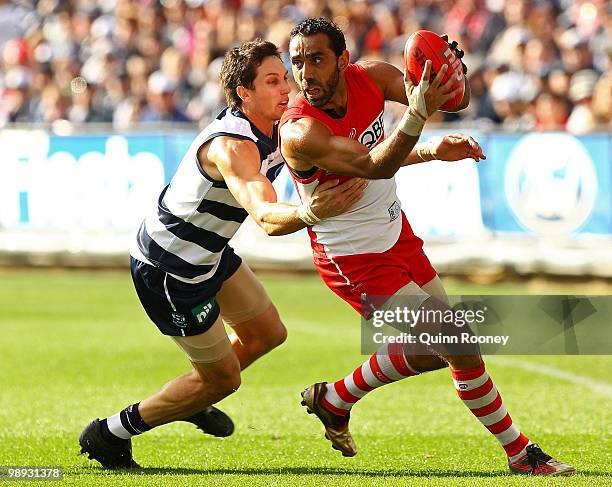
{"x": 240, "y": 65}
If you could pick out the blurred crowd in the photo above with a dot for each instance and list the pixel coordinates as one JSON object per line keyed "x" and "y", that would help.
{"x": 533, "y": 64}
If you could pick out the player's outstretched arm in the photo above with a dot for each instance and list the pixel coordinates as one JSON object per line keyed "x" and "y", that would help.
{"x": 452, "y": 147}
{"x": 238, "y": 162}
{"x": 307, "y": 142}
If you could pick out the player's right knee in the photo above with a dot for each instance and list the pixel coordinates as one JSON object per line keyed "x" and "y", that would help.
{"x": 218, "y": 379}
{"x": 216, "y": 387}
{"x": 228, "y": 384}
{"x": 225, "y": 379}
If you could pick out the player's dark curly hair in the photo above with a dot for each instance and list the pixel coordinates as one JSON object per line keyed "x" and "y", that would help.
{"x": 310, "y": 27}
{"x": 240, "y": 65}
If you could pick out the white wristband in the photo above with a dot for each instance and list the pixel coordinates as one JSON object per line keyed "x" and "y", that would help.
{"x": 425, "y": 152}
{"x": 306, "y": 214}
{"x": 412, "y": 123}
{"x": 414, "y": 118}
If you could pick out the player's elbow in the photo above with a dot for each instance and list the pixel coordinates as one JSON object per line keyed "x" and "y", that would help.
{"x": 369, "y": 167}
{"x": 380, "y": 173}
{"x": 273, "y": 230}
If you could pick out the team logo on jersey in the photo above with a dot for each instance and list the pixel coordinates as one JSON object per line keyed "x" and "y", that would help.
{"x": 353, "y": 133}
{"x": 551, "y": 184}
{"x": 394, "y": 210}
{"x": 202, "y": 310}
{"x": 374, "y": 132}
{"x": 179, "y": 320}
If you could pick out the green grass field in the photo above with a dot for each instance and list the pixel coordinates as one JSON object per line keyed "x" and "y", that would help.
{"x": 77, "y": 345}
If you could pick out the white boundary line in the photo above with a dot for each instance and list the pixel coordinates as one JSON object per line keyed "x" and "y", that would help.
{"x": 600, "y": 387}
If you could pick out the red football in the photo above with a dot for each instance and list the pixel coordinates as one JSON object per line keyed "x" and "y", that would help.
{"x": 424, "y": 45}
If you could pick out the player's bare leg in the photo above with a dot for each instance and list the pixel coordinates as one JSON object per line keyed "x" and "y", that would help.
{"x": 205, "y": 384}
{"x": 257, "y": 329}
{"x": 247, "y": 308}
{"x": 254, "y": 338}
{"x": 109, "y": 441}
{"x": 251, "y": 340}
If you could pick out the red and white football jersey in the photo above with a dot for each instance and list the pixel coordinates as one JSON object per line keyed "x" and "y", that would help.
{"x": 373, "y": 223}
{"x": 370, "y": 250}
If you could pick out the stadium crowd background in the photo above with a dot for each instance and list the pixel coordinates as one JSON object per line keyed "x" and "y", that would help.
{"x": 533, "y": 64}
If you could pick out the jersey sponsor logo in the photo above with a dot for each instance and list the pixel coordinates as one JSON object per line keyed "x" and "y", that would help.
{"x": 463, "y": 386}
{"x": 202, "y": 310}
{"x": 370, "y": 136}
{"x": 394, "y": 210}
{"x": 179, "y": 320}
{"x": 551, "y": 184}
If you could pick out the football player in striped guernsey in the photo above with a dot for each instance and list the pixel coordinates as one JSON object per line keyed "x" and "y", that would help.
{"x": 189, "y": 280}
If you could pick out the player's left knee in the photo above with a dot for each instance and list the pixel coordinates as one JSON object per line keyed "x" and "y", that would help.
{"x": 274, "y": 338}
{"x": 280, "y": 336}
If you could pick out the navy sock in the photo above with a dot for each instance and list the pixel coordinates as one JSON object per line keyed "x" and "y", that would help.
{"x": 126, "y": 423}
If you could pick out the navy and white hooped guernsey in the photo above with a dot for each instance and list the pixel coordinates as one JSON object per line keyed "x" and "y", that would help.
{"x": 196, "y": 216}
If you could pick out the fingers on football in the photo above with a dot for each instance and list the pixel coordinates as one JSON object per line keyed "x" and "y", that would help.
{"x": 449, "y": 82}
{"x": 426, "y": 72}
{"x": 452, "y": 94}
{"x": 440, "y": 76}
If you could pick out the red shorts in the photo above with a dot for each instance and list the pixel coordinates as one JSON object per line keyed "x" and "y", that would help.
{"x": 377, "y": 274}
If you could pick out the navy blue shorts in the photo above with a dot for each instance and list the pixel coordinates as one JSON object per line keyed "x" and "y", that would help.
{"x": 178, "y": 308}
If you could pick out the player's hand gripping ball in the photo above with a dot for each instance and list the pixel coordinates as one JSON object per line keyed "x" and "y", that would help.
{"x": 424, "y": 45}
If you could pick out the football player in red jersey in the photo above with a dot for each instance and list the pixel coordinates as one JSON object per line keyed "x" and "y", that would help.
{"x": 334, "y": 127}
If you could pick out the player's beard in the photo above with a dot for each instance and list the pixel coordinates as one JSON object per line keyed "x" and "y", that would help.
{"x": 327, "y": 90}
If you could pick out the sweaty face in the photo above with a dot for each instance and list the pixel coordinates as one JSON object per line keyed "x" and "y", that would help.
{"x": 315, "y": 68}
{"x": 270, "y": 94}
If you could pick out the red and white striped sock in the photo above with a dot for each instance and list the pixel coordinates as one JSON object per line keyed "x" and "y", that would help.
{"x": 479, "y": 394}
{"x": 387, "y": 365}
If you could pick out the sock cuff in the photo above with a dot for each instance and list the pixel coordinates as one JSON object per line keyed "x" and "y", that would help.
{"x": 468, "y": 374}
{"x": 135, "y": 419}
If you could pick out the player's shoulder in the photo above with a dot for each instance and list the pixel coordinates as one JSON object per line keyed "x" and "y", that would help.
{"x": 370, "y": 64}
{"x": 301, "y": 133}
{"x": 230, "y": 149}
{"x": 381, "y": 72}
{"x": 231, "y": 122}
